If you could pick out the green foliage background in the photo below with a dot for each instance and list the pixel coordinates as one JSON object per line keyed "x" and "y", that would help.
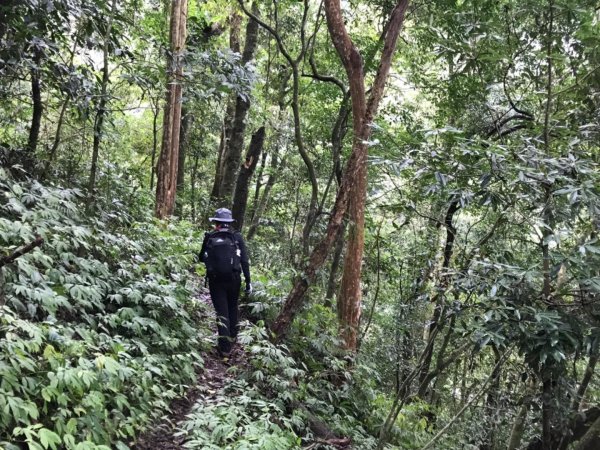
{"x": 481, "y": 269}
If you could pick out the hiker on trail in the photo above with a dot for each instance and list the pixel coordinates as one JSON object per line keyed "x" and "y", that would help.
{"x": 225, "y": 256}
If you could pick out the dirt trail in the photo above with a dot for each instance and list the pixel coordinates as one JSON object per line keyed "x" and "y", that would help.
{"x": 213, "y": 378}
{"x": 210, "y": 381}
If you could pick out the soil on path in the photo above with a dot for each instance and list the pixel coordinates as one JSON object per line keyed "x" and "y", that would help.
{"x": 213, "y": 377}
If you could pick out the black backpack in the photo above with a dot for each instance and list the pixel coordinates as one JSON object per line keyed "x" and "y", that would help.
{"x": 222, "y": 255}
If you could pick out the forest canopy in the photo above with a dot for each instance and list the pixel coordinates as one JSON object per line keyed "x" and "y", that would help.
{"x": 417, "y": 183}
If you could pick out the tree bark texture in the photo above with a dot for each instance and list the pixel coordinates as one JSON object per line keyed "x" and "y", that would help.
{"x": 354, "y": 179}
{"x": 186, "y": 122}
{"x": 36, "y": 116}
{"x": 591, "y": 439}
{"x": 518, "y": 428}
{"x": 363, "y": 112}
{"x": 242, "y": 186}
{"x": 232, "y": 154}
{"x": 215, "y": 192}
{"x": 166, "y": 184}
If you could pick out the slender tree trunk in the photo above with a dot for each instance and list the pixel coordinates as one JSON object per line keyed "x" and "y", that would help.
{"x": 38, "y": 110}
{"x": 193, "y": 186}
{"x": 186, "y": 121}
{"x": 233, "y": 154}
{"x": 333, "y": 271}
{"x": 258, "y": 185}
{"x": 235, "y": 21}
{"x": 166, "y": 185}
{"x": 337, "y": 141}
{"x": 275, "y": 167}
{"x": 439, "y": 298}
{"x": 294, "y": 66}
{"x": 215, "y": 192}
{"x": 492, "y": 404}
{"x": 56, "y": 142}
{"x": 567, "y": 438}
{"x": 63, "y": 110}
{"x": 587, "y": 377}
{"x": 240, "y": 197}
{"x": 591, "y": 439}
{"x": 101, "y": 110}
{"x": 553, "y": 424}
{"x": 155, "y": 113}
{"x": 363, "y": 114}
{"x": 518, "y": 428}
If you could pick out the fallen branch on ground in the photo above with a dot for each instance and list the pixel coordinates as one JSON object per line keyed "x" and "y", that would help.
{"x": 21, "y": 251}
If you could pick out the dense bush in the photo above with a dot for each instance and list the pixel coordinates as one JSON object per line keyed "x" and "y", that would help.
{"x": 97, "y": 329}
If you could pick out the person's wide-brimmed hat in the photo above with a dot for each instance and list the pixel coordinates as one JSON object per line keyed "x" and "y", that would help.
{"x": 222, "y": 215}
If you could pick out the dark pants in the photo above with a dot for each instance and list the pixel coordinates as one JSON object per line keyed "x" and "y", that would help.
{"x": 225, "y": 295}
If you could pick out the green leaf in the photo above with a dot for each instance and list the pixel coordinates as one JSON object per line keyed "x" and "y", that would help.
{"x": 49, "y": 438}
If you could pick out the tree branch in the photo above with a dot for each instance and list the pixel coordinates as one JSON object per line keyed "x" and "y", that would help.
{"x": 21, "y": 251}
{"x": 393, "y": 31}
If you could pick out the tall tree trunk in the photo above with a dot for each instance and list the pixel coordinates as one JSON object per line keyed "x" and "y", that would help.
{"x": 166, "y": 184}
{"x": 439, "y": 299}
{"x": 215, "y": 193}
{"x": 233, "y": 151}
{"x": 590, "y": 440}
{"x": 61, "y": 116}
{"x": 566, "y": 438}
{"x": 240, "y": 197}
{"x": 186, "y": 121}
{"x": 363, "y": 114}
{"x": 260, "y": 203}
{"x": 337, "y": 141}
{"x": 294, "y": 65}
{"x": 333, "y": 271}
{"x": 38, "y": 110}
{"x": 349, "y": 301}
{"x": 101, "y": 110}
{"x": 258, "y": 185}
{"x": 275, "y": 167}
{"x": 155, "y": 113}
{"x": 493, "y": 394}
{"x": 56, "y": 142}
{"x": 518, "y": 428}
{"x": 193, "y": 185}
{"x": 235, "y": 21}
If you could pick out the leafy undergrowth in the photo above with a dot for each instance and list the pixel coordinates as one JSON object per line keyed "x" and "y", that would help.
{"x": 302, "y": 396}
{"x": 97, "y": 330}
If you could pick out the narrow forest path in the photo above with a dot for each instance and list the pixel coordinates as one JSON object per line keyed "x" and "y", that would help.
{"x": 211, "y": 380}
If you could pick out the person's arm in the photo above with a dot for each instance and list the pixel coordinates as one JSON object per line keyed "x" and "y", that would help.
{"x": 244, "y": 261}
{"x": 202, "y": 256}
